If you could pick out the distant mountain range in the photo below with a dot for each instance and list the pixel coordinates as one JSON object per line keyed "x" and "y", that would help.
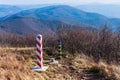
{"x": 6, "y": 10}
{"x": 51, "y": 17}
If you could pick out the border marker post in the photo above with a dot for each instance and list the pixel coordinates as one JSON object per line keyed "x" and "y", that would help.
{"x": 60, "y": 48}
{"x": 39, "y": 55}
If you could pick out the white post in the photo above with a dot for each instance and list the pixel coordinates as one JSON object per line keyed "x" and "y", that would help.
{"x": 39, "y": 53}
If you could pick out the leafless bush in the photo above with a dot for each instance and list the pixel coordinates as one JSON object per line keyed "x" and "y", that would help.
{"x": 15, "y": 40}
{"x": 98, "y": 43}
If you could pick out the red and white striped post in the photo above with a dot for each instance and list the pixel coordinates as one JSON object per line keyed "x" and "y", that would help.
{"x": 39, "y": 54}
{"x": 39, "y": 51}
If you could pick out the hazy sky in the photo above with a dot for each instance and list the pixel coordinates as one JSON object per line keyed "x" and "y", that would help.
{"x": 74, "y": 2}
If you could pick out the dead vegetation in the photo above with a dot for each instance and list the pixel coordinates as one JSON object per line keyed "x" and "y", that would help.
{"x": 87, "y": 54}
{"x": 17, "y": 65}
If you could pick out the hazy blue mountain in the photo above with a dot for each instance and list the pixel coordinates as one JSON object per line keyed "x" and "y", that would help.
{"x": 27, "y": 25}
{"x": 64, "y": 13}
{"x": 51, "y": 17}
{"x": 25, "y": 7}
{"x": 109, "y": 10}
{"x": 7, "y": 10}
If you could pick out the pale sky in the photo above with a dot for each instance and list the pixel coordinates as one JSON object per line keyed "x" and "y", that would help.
{"x": 74, "y": 2}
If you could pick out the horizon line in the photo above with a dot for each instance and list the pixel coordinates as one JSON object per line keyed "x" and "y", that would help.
{"x": 94, "y": 3}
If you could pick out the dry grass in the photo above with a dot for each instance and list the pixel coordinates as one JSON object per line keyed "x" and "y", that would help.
{"x": 83, "y": 61}
{"x": 17, "y": 65}
{"x": 16, "y": 48}
{"x": 116, "y": 71}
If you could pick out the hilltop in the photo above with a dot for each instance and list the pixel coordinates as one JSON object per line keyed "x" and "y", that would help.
{"x": 16, "y": 61}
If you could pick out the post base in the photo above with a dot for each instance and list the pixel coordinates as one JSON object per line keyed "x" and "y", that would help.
{"x": 37, "y": 68}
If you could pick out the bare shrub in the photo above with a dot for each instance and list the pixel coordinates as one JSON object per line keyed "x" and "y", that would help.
{"x": 98, "y": 43}
{"x": 14, "y": 40}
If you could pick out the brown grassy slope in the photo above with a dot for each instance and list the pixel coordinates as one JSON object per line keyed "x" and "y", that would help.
{"x": 14, "y": 66}
{"x": 17, "y": 65}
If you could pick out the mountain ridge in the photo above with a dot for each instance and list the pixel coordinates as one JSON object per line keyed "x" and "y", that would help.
{"x": 58, "y": 13}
